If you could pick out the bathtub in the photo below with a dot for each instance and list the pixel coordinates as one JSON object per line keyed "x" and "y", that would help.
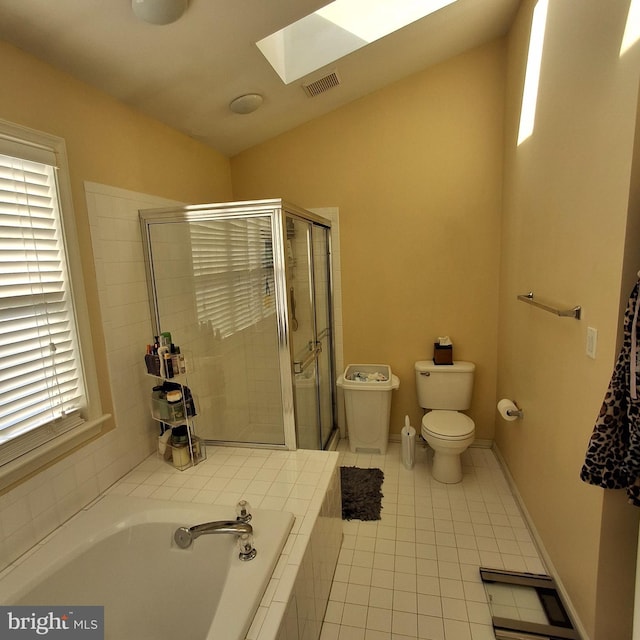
{"x": 120, "y": 553}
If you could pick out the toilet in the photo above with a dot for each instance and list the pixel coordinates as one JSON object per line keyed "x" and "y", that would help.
{"x": 444, "y": 391}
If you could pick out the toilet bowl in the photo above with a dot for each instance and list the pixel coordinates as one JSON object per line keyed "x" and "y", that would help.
{"x": 448, "y": 433}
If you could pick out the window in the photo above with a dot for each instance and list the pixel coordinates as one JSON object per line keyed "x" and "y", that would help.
{"x": 337, "y": 29}
{"x": 532, "y": 73}
{"x": 632, "y": 28}
{"x": 44, "y": 395}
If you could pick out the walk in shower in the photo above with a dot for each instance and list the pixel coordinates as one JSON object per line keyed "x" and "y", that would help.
{"x": 245, "y": 290}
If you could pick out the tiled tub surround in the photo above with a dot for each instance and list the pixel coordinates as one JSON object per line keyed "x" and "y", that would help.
{"x": 304, "y": 483}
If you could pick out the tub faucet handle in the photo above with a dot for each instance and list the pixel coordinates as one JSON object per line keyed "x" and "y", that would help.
{"x": 245, "y": 544}
{"x": 243, "y": 511}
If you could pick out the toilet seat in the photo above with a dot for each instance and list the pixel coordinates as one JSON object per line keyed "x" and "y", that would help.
{"x": 448, "y": 425}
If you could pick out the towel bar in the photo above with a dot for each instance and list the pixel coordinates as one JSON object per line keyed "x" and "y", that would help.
{"x": 565, "y": 313}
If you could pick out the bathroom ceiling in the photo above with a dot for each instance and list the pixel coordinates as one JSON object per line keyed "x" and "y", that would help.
{"x": 185, "y": 74}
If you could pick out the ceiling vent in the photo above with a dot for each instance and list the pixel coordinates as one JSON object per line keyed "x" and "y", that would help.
{"x": 322, "y": 84}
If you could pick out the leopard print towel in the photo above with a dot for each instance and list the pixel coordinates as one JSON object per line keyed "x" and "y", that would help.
{"x": 612, "y": 460}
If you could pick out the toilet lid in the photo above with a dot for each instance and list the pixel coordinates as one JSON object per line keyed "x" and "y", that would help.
{"x": 449, "y": 424}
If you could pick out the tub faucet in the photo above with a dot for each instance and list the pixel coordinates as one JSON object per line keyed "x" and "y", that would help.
{"x": 184, "y": 536}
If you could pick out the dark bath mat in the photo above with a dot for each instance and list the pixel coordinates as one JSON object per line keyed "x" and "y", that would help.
{"x": 361, "y": 496}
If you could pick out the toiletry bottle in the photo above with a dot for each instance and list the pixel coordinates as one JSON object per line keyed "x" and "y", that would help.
{"x": 168, "y": 365}
{"x": 162, "y": 351}
{"x": 181, "y": 363}
{"x": 189, "y": 402}
{"x": 175, "y": 360}
{"x": 181, "y": 455}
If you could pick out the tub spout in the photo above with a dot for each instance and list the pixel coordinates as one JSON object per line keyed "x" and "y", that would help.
{"x": 184, "y": 536}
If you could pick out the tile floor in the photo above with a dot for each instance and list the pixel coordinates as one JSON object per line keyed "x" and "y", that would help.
{"x": 414, "y": 573}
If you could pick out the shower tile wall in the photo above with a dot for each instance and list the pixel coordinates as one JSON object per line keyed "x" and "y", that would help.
{"x": 124, "y": 308}
{"x": 265, "y": 410}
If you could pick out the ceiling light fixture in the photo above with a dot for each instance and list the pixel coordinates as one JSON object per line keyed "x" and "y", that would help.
{"x": 159, "y": 11}
{"x": 247, "y": 103}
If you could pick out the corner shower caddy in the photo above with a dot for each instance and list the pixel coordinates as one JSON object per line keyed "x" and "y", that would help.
{"x": 193, "y": 450}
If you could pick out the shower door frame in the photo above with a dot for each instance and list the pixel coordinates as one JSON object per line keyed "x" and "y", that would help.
{"x": 276, "y": 210}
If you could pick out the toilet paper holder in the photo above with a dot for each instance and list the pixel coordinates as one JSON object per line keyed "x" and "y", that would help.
{"x": 509, "y": 410}
{"x": 516, "y": 413}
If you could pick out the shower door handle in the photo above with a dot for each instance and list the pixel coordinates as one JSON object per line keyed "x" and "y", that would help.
{"x": 292, "y": 300}
{"x": 300, "y": 366}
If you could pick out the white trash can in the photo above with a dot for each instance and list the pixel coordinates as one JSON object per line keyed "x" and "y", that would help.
{"x": 367, "y": 397}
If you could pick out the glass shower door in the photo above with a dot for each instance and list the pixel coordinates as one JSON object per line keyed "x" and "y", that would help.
{"x": 310, "y": 331}
{"x": 302, "y": 332}
{"x": 324, "y": 332}
{"x": 215, "y": 292}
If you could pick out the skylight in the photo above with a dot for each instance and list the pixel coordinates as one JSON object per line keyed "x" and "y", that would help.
{"x": 532, "y": 74}
{"x": 338, "y": 29}
{"x": 632, "y": 30}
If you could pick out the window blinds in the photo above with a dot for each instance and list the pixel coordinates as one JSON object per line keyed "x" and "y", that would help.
{"x": 41, "y": 387}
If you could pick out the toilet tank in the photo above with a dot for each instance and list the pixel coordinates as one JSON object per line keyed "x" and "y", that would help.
{"x": 444, "y": 386}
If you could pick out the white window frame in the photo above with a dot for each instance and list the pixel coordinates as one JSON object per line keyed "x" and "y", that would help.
{"x": 18, "y": 137}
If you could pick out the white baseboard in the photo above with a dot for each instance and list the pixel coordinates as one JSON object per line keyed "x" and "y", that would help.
{"x": 540, "y": 546}
{"x": 482, "y": 443}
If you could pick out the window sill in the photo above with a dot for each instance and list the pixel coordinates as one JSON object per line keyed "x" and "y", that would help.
{"x": 30, "y": 463}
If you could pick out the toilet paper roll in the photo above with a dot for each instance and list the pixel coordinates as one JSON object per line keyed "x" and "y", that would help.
{"x": 505, "y": 405}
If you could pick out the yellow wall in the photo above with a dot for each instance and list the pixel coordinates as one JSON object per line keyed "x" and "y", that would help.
{"x": 563, "y": 236}
{"x": 107, "y": 143}
{"x": 415, "y": 170}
